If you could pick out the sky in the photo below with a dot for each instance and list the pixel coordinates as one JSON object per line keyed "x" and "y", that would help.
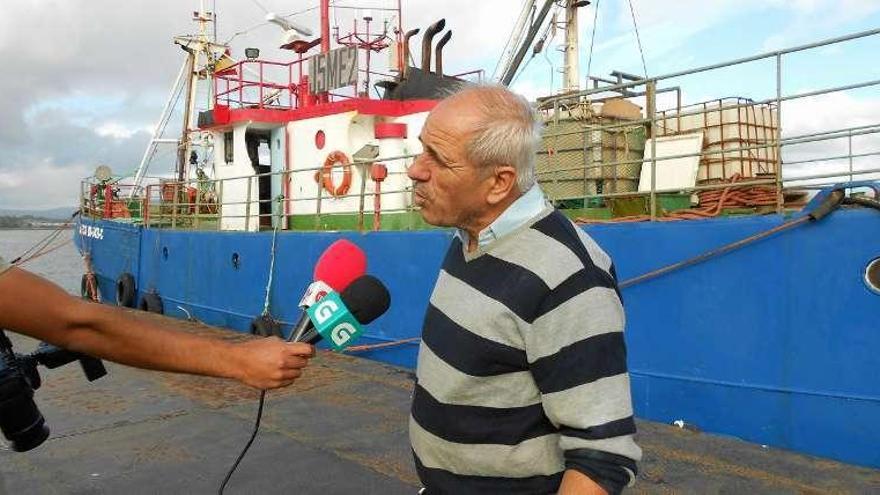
{"x": 84, "y": 81}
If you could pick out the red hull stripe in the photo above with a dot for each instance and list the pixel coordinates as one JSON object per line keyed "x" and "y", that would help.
{"x": 224, "y": 116}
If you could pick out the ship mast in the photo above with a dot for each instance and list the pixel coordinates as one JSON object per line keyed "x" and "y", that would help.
{"x": 202, "y": 52}
{"x": 183, "y": 144}
{"x": 571, "y": 71}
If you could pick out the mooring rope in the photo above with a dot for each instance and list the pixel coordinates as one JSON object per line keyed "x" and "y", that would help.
{"x": 279, "y": 199}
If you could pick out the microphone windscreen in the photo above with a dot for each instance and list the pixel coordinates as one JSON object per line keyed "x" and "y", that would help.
{"x": 366, "y": 298}
{"x": 340, "y": 264}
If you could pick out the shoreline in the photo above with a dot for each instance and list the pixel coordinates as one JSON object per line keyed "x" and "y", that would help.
{"x": 60, "y": 226}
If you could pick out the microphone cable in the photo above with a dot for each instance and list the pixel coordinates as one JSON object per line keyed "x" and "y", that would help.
{"x": 293, "y": 337}
{"x": 247, "y": 445}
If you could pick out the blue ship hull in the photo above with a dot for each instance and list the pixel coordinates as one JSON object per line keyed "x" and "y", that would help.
{"x": 775, "y": 343}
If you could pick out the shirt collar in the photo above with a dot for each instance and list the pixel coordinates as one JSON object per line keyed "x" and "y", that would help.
{"x": 517, "y": 214}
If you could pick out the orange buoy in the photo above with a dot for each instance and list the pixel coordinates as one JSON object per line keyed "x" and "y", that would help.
{"x": 333, "y": 159}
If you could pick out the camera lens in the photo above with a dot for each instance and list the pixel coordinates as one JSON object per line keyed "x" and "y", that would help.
{"x": 20, "y": 420}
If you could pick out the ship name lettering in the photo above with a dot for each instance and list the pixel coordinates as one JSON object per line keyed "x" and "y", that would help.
{"x": 91, "y": 231}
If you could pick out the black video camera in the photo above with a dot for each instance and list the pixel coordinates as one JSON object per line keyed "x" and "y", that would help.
{"x": 20, "y": 419}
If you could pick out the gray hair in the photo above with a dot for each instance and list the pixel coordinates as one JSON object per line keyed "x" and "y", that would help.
{"x": 508, "y": 133}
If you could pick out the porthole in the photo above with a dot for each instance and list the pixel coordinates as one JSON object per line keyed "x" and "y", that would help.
{"x": 236, "y": 260}
{"x": 165, "y": 253}
{"x": 872, "y": 275}
{"x": 320, "y": 140}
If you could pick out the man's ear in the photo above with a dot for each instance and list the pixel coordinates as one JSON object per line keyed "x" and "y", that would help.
{"x": 503, "y": 182}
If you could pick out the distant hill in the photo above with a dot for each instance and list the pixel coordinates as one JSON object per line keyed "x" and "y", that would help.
{"x": 51, "y": 213}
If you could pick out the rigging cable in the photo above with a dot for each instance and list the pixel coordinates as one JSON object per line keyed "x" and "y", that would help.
{"x": 258, "y": 4}
{"x": 42, "y": 246}
{"x": 298, "y": 12}
{"x": 279, "y": 199}
{"x": 638, "y": 38}
{"x": 543, "y": 42}
{"x": 592, "y": 40}
{"x": 44, "y": 252}
{"x": 161, "y": 125}
{"x": 245, "y": 31}
{"x": 514, "y": 38}
{"x": 523, "y": 69}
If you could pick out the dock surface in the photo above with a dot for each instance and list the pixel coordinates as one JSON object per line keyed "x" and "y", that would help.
{"x": 341, "y": 429}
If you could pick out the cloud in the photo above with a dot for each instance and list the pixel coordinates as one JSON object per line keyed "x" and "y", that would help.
{"x": 29, "y": 191}
{"x": 117, "y": 130}
{"x": 825, "y": 114}
{"x": 10, "y": 180}
{"x": 807, "y": 18}
{"x": 829, "y": 112}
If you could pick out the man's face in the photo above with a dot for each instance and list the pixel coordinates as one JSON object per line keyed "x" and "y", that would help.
{"x": 450, "y": 190}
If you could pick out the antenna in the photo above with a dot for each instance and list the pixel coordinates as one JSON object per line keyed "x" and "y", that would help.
{"x": 288, "y": 25}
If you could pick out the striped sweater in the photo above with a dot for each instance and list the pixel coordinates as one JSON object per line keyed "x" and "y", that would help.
{"x": 522, "y": 367}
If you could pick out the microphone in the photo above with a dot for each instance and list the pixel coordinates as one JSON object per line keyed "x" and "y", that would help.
{"x": 338, "y": 317}
{"x": 337, "y": 267}
{"x": 340, "y": 264}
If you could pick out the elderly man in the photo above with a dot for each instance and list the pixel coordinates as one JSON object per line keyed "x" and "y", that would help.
{"x": 522, "y": 384}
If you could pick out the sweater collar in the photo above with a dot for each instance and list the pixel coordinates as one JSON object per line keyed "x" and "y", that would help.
{"x": 517, "y": 214}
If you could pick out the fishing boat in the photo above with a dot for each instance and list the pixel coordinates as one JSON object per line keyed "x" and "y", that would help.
{"x": 751, "y": 295}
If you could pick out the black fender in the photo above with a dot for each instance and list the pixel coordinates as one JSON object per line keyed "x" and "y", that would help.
{"x": 126, "y": 291}
{"x": 266, "y": 326}
{"x": 151, "y": 303}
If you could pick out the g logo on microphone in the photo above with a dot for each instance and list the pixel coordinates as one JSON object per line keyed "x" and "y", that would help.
{"x": 334, "y": 321}
{"x": 342, "y": 333}
{"x": 324, "y": 311}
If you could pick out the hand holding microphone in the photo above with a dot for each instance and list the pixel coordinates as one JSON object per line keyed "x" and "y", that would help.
{"x": 336, "y": 304}
{"x": 271, "y": 362}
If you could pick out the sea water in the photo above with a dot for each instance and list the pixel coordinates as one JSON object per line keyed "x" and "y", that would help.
{"x": 64, "y": 266}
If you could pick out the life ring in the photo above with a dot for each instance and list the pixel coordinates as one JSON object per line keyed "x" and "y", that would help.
{"x": 125, "y": 290}
{"x": 151, "y": 303}
{"x": 326, "y": 175}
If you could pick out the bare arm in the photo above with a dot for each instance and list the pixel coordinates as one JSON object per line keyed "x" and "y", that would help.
{"x": 576, "y": 483}
{"x": 33, "y": 306}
